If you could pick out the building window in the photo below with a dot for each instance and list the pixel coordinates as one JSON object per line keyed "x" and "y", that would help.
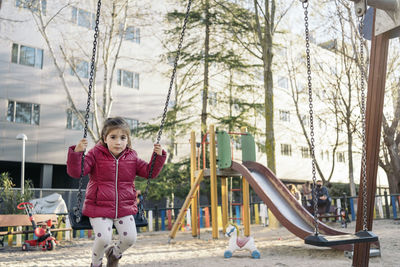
{"x": 284, "y": 115}
{"x": 81, "y": 68}
{"x": 83, "y": 18}
{"x": 286, "y": 149}
{"x": 133, "y": 125}
{"x": 171, "y": 104}
{"x": 340, "y": 157}
{"x": 236, "y": 104}
{"x": 323, "y": 94}
{"x": 73, "y": 121}
{"x": 128, "y": 79}
{"x": 33, "y": 5}
{"x": 212, "y": 98}
{"x": 176, "y": 149}
{"x": 132, "y": 34}
{"x": 26, "y": 55}
{"x": 261, "y": 146}
{"x": 305, "y": 120}
{"x": 283, "y": 82}
{"x": 20, "y": 112}
{"x": 305, "y": 152}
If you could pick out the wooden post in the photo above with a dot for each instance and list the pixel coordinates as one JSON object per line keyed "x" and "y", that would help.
{"x": 185, "y": 206}
{"x": 246, "y": 200}
{"x": 246, "y": 207}
{"x": 374, "y": 113}
{"x": 10, "y": 237}
{"x": 194, "y": 209}
{"x": 213, "y": 184}
{"x": 256, "y": 214}
{"x": 224, "y": 200}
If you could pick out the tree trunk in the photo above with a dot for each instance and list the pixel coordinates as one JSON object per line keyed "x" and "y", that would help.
{"x": 206, "y": 59}
{"x": 350, "y": 156}
{"x": 265, "y": 36}
{"x": 269, "y": 114}
{"x": 394, "y": 182}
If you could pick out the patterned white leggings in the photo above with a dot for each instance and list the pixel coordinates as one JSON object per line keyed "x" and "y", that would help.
{"x": 102, "y": 228}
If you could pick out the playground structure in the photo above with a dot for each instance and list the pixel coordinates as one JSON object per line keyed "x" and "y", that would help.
{"x": 223, "y": 172}
{"x": 287, "y": 210}
{"x": 263, "y": 181}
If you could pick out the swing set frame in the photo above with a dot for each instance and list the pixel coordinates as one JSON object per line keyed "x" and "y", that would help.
{"x": 373, "y": 123}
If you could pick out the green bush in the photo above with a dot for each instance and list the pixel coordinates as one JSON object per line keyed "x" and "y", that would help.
{"x": 337, "y": 189}
{"x": 174, "y": 178}
{"x": 10, "y": 198}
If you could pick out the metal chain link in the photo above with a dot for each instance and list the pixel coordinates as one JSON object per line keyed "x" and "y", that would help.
{"x": 171, "y": 83}
{"x": 92, "y": 67}
{"x": 363, "y": 135}
{"x": 311, "y": 112}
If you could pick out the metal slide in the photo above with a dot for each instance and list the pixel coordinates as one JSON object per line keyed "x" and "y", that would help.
{"x": 290, "y": 213}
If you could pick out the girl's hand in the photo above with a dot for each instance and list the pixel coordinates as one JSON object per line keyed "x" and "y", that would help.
{"x": 157, "y": 149}
{"x": 81, "y": 146}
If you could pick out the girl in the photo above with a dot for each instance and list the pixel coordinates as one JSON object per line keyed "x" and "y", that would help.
{"x": 295, "y": 192}
{"x": 110, "y": 198}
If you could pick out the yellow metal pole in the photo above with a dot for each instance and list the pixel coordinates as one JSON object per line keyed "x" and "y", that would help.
{"x": 213, "y": 183}
{"x": 246, "y": 202}
{"x": 185, "y": 205}
{"x": 224, "y": 200}
{"x": 194, "y": 209}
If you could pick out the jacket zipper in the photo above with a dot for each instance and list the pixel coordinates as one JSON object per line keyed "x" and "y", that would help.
{"x": 116, "y": 192}
{"x": 116, "y": 186}
{"x": 116, "y": 183}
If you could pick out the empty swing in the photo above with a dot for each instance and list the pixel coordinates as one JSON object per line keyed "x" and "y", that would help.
{"x": 77, "y": 220}
{"x": 363, "y": 236}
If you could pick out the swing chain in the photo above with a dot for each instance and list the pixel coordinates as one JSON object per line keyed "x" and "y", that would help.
{"x": 171, "y": 83}
{"x": 363, "y": 136}
{"x": 92, "y": 67}
{"x": 311, "y": 112}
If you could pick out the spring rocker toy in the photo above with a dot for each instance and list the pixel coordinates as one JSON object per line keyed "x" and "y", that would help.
{"x": 44, "y": 238}
{"x": 239, "y": 243}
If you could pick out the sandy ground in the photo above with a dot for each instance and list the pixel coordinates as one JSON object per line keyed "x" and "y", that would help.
{"x": 278, "y": 247}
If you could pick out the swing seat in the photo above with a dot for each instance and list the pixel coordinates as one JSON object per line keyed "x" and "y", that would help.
{"x": 334, "y": 240}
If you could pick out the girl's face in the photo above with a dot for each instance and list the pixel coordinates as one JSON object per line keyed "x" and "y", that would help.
{"x": 116, "y": 141}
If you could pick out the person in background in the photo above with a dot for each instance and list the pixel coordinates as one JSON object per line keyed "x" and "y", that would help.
{"x": 323, "y": 198}
{"x": 295, "y": 192}
{"x": 306, "y": 192}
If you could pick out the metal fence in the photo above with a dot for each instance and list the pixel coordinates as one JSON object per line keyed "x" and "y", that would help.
{"x": 386, "y": 206}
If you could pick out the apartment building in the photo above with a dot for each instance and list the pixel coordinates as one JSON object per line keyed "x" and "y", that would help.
{"x": 33, "y": 89}
{"x": 34, "y": 100}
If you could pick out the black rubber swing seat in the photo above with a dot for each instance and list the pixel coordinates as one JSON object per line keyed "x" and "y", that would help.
{"x": 334, "y": 240}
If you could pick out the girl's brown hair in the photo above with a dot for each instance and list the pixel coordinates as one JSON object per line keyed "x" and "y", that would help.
{"x": 115, "y": 123}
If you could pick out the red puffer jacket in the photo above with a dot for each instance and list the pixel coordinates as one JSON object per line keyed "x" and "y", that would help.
{"x": 111, "y": 189}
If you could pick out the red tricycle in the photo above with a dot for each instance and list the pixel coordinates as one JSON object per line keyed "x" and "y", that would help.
{"x": 44, "y": 238}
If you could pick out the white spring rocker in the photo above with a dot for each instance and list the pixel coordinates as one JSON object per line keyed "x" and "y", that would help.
{"x": 239, "y": 243}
